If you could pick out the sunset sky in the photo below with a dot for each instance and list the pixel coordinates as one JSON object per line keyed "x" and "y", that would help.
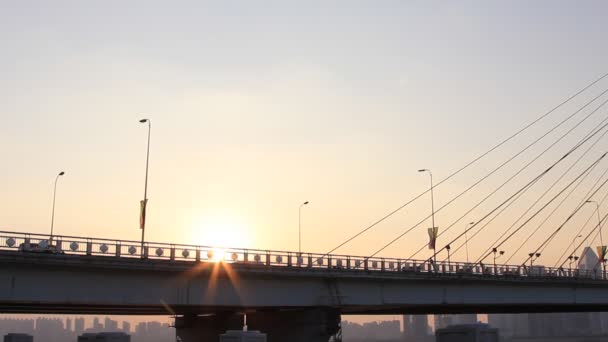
{"x": 259, "y": 106}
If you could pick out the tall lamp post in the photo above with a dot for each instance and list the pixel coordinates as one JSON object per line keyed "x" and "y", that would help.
{"x": 53, "y": 211}
{"x": 466, "y": 239}
{"x": 300, "y": 227}
{"x": 574, "y": 242}
{"x": 599, "y": 220}
{"x": 432, "y": 213}
{"x": 144, "y": 202}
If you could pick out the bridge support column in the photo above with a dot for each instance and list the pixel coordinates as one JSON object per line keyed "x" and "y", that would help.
{"x": 315, "y": 325}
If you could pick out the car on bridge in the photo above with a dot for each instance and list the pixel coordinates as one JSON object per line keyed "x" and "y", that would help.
{"x": 42, "y": 247}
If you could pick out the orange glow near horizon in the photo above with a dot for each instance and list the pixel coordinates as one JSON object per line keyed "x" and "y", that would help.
{"x": 221, "y": 230}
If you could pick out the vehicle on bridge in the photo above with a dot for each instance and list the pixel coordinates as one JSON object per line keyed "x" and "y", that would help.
{"x": 42, "y": 247}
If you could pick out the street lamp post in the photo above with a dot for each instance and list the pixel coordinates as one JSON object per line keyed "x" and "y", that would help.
{"x": 300, "y": 227}
{"x": 53, "y": 210}
{"x": 432, "y": 212}
{"x": 447, "y": 248}
{"x": 574, "y": 242}
{"x": 144, "y": 203}
{"x": 466, "y": 239}
{"x": 599, "y": 220}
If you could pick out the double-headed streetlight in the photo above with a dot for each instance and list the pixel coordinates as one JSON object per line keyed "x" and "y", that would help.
{"x": 433, "y": 228}
{"x": 144, "y": 202}
{"x": 501, "y": 253}
{"x": 532, "y": 255}
{"x": 53, "y": 211}
{"x": 300, "y": 227}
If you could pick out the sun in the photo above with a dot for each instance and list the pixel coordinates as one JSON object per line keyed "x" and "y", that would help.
{"x": 221, "y": 231}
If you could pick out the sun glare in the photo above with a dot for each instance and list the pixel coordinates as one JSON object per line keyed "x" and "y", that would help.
{"x": 219, "y": 255}
{"x": 220, "y": 232}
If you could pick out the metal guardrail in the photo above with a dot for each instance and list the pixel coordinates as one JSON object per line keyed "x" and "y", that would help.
{"x": 73, "y": 245}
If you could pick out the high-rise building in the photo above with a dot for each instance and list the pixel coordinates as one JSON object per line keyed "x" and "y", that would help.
{"x": 126, "y": 327}
{"x": 415, "y": 325}
{"x": 96, "y": 325}
{"x": 110, "y": 325}
{"x": 79, "y": 325}
{"x": 104, "y": 337}
{"x": 18, "y": 338}
{"x": 50, "y": 329}
{"x": 68, "y": 325}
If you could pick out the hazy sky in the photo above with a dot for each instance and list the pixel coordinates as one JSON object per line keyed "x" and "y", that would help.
{"x": 259, "y": 106}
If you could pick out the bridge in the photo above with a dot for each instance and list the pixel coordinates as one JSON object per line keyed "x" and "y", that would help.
{"x": 207, "y": 288}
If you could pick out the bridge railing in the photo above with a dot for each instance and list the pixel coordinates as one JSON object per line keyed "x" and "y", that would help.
{"x": 72, "y": 245}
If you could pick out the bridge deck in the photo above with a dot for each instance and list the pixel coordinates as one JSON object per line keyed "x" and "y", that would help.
{"x": 81, "y": 284}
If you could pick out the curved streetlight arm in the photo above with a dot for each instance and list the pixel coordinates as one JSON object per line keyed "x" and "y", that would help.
{"x": 53, "y": 210}
{"x": 300, "y": 227}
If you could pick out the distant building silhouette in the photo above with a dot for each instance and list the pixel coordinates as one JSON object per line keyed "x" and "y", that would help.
{"x": 415, "y": 325}
{"x": 126, "y": 327}
{"x": 68, "y": 325}
{"x": 110, "y": 325}
{"x": 79, "y": 325}
{"x": 96, "y": 325}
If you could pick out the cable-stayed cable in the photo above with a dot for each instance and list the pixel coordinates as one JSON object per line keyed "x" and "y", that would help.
{"x": 527, "y": 239}
{"x": 598, "y": 226}
{"x": 514, "y": 175}
{"x": 375, "y": 223}
{"x": 532, "y": 182}
{"x": 581, "y": 203}
{"x": 593, "y": 132}
{"x": 559, "y": 228}
{"x": 542, "y": 208}
{"x": 588, "y": 220}
{"x": 551, "y": 188}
